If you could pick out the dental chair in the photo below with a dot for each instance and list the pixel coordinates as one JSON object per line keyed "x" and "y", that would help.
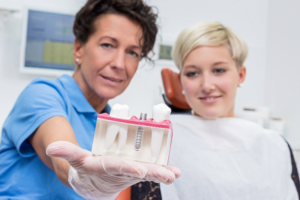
{"x": 125, "y": 194}
{"x": 173, "y": 96}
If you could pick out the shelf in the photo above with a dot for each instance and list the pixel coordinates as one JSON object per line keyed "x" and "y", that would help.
{"x": 7, "y": 10}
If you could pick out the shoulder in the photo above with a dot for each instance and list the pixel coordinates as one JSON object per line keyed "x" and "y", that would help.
{"x": 258, "y": 132}
{"x": 40, "y": 100}
{"x": 42, "y": 91}
{"x": 44, "y": 85}
{"x": 263, "y": 137}
{"x": 247, "y": 131}
{"x": 274, "y": 138}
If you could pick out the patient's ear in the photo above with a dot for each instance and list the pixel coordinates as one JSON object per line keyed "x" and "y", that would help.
{"x": 179, "y": 78}
{"x": 242, "y": 74}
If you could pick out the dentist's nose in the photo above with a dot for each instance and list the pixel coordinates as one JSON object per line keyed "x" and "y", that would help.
{"x": 118, "y": 61}
{"x": 207, "y": 84}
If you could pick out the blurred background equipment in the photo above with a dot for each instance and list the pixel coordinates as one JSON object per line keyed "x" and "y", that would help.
{"x": 47, "y": 43}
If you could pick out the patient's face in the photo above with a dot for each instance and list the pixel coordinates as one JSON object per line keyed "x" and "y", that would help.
{"x": 210, "y": 78}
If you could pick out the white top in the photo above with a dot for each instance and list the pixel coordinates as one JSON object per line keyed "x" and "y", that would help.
{"x": 228, "y": 159}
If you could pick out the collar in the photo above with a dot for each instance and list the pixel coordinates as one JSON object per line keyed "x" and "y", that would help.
{"x": 78, "y": 100}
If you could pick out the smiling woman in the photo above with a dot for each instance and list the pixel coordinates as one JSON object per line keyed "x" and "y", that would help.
{"x": 107, "y": 62}
{"x": 43, "y": 149}
{"x": 222, "y": 157}
{"x": 209, "y": 78}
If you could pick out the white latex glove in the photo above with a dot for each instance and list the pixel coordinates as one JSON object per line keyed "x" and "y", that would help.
{"x": 103, "y": 177}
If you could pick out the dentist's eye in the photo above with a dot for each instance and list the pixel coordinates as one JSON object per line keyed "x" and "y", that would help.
{"x": 133, "y": 54}
{"x": 106, "y": 46}
{"x": 219, "y": 70}
{"x": 191, "y": 74}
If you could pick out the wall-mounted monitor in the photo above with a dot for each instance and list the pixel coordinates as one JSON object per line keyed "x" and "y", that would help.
{"x": 47, "y": 43}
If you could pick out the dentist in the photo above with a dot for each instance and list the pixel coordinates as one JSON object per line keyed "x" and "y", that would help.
{"x": 47, "y": 137}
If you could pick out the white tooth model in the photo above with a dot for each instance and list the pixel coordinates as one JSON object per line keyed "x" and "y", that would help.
{"x": 118, "y": 111}
{"x": 160, "y": 113}
{"x": 142, "y": 140}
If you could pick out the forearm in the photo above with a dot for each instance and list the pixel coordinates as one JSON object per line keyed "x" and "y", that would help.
{"x": 61, "y": 168}
{"x": 52, "y": 130}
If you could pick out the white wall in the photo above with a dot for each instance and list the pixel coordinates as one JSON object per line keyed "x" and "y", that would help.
{"x": 248, "y": 18}
{"x": 283, "y": 60}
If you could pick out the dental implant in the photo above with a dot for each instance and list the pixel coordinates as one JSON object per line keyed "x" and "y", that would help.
{"x": 139, "y": 134}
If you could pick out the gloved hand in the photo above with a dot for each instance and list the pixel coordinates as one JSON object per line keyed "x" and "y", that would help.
{"x": 103, "y": 177}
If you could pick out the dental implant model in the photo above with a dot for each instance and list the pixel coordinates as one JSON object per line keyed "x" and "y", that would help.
{"x": 118, "y": 111}
{"x": 160, "y": 113}
{"x": 144, "y": 140}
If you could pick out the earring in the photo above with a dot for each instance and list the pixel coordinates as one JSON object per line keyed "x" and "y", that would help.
{"x": 183, "y": 92}
{"x": 241, "y": 85}
{"x": 77, "y": 60}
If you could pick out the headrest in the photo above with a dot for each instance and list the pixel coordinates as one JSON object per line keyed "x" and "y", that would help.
{"x": 173, "y": 89}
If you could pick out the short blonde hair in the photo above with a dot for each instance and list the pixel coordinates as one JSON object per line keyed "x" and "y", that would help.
{"x": 208, "y": 34}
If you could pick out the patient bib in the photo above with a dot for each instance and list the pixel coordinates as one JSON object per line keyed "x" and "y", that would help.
{"x": 228, "y": 159}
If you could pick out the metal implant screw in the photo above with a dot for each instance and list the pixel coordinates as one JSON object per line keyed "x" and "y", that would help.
{"x": 139, "y": 134}
{"x": 138, "y": 139}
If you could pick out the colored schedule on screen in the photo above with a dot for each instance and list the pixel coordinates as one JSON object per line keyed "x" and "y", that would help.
{"x": 49, "y": 42}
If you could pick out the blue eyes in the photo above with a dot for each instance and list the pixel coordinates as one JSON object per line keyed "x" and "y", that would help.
{"x": 216, "y": 71}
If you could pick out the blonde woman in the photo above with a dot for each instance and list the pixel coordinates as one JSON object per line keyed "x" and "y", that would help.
{"x": 222, "y": 157}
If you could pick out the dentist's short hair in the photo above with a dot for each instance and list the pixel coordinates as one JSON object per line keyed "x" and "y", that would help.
{"x": 208, "y": 34}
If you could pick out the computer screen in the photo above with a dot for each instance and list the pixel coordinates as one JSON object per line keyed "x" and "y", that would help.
{"x": 47, "y": 43}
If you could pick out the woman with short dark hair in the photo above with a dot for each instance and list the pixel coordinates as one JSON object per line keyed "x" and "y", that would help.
{"x": 55, "y": 119}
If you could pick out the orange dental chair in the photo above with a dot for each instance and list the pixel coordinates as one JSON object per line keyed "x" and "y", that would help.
{"x": 173, "y": 96}
{"x": 125, "y": 194}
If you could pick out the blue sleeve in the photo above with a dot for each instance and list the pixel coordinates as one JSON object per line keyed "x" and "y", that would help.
{"x": 39, "y": 101}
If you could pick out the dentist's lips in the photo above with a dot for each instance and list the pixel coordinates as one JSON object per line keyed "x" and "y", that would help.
{"x": 209, "y": 99}
{"x": 111, "y": 80}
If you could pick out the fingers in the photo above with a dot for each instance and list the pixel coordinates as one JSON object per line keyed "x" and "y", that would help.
{"x": 115, "y": 166}
{"x": 144, "y": 171}
{"x": 118, "y": 166}
{"x": 68, "y": 151}
{"x": 159, "y": 174}
{"x": 175, "y": 170}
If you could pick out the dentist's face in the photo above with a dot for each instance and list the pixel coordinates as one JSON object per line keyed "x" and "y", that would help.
{"x": 110, "y": 57}
{"x": 210, "y": 78}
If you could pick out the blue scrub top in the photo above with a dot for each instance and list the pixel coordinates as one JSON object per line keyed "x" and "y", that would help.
{"x": 22, "y": 173}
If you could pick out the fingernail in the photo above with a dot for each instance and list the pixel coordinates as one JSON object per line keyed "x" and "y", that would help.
{"x": 52, "y": 148}
{"x": 171, "y": 178}
{"x": 178, "y": 175}
{"x": 164, "y": 179}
